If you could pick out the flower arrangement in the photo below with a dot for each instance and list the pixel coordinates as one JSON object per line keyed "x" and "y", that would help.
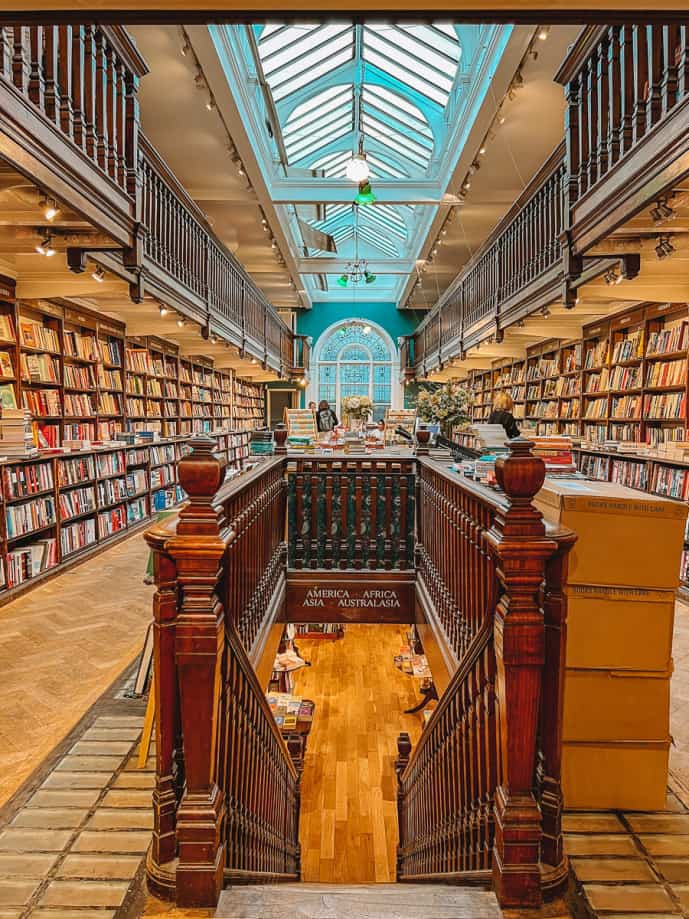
{"x": 359, "y": 407}
{"x": 448, "y": 405}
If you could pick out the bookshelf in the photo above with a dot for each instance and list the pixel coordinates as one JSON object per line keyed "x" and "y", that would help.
{"x": 57, "y": 508}
{"x": 82, "y": 378}
{"x": 625, "y": 379}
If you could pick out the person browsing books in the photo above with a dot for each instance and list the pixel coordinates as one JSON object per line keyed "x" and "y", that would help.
{"x": 326, "y": 419}
{"x": 502, "y": 414}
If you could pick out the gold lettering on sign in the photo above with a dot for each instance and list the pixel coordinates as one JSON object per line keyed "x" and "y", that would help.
{"x": 369, "y": 599}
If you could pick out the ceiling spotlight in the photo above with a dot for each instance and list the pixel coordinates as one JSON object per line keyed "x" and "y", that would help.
{"x": 664, "y": 247}
{"x": 443, "y": 232}
{"x": 164, "y": 311}
{"x": 543, "y": 33}
{"x": 302, "y": 382}
{"x": 482, "y": 149}
{"x": 520, "y": 323}
{"x": 610, "y": 276}
{"x": 357, "y": 169}
{"x": 50, "y": 209}
{"x": 213, "y": 340}
{"x": 210, "y": 103}
{"x": 240, "y": 169}
{"x": 180, "y": 321}
{"x": 98, "y": 275}
{"x": 45, "y": 247}
{"x": 254, "y": 361}
{"x": 186, "y": 47}
{"x": 545, "y": 312}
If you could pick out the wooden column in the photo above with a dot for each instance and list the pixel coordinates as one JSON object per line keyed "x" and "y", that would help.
{"x": 521, "y": 550}
{"x": 197, "y": 549}
{"x": 160, "y": 870}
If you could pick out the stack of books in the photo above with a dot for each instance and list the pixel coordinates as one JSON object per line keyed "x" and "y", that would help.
{"x": 16, "y": 435}
{"x": 556, "y": 453}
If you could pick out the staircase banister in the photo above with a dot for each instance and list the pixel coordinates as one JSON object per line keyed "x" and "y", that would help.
{"x": 250, "y": 674}
{"x": 477, "y": 646}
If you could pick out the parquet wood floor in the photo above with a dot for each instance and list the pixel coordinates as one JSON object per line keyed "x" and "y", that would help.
{"x": 348, "y": 799}
{"x": 61, "y": 646}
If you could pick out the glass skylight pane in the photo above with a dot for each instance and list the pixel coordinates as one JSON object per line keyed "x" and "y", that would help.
{"x": 389, "y": 66}
{"x": 305, "y": 121}
{"x": 423, "y": 145}
{"x": 384, "y": 167}
{"x": 388, "y": 221}
{"x": 435, "y": 40}
{"x": 388, "y": 102}
{"x": 407, "y": 54}
{"x": 394, "y": 98}
{"x": 318, "y": 40}
{"x": 308, "y": 73}
{"x": 328, "y": 127}
{"x": 318, "y": 99}
{"x": 385, "y": 137}
{"x": 327, "y": 135}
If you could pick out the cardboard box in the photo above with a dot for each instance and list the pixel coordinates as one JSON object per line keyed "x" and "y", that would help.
{"x": 615, "y": 776}
{"x": 616, "y": 705}
{"x": 624, "y": 537}
{"x": 619, "y": 628}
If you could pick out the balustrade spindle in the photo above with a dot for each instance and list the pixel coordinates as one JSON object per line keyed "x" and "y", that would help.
{"x": 36, "y": 77}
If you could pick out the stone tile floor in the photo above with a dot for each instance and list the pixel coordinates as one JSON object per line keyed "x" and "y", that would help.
{"x": 73, "y": 847}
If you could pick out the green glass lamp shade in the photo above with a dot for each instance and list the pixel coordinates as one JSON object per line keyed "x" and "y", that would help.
{"x": 370, "y": 278}
{"x": 365, "y": 195}
{"x": 342, "y": 280}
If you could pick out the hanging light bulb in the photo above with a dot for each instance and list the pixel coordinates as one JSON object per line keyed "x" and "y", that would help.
{"x": 357, "y": 169}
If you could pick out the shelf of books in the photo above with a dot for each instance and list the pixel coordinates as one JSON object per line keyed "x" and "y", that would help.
{"x": 59, "y": 505}
{"x": 620, "y": 392}
{"x": 93, "y": 424}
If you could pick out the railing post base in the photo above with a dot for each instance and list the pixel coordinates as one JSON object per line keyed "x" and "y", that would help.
{"x": 201, "y": 849}
{"x": 516, "y": 871}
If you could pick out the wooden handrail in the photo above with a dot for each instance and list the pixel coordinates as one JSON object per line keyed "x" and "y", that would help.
{"x": 484, "y": 559}
{"x": 216, "y": 570}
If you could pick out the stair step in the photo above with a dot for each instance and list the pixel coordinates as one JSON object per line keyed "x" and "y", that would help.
{"x": 357, "y": 901}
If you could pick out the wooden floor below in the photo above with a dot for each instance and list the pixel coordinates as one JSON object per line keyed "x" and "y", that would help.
{"x": 61, "y": 646}
{"x": 348, "y": 811}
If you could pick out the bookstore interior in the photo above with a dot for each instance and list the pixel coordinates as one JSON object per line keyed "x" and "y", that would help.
{"x": 344, "y": 465}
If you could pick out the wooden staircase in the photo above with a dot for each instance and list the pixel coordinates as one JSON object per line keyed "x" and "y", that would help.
{"x": 357, "y": 901}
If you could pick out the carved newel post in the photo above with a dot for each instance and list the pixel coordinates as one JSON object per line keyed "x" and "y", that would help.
{"x": 521, "y": 551}
{"x": 422, "y": 438}
{"x": 198, "y": 549}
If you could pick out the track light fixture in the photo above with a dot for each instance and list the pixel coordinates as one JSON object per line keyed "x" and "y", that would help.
{"x": 45, "y": 247}
{"x": 164, "y": 311}
{"x": 98, "y": 275}
{"x": 50, "y": 207}
{"x": 180, "y": 321}
{"x": 210, "y": 103}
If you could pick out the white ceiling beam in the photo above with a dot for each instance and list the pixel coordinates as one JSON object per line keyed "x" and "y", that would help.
{"x": 342, "y": 191}
{"x": 333, "y": 265}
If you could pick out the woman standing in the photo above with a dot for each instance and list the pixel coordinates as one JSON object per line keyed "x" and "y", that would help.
{"x": 502, "y": 414}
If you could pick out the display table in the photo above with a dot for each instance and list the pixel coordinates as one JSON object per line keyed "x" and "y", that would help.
{"x": 620, "y": 590}
{"x": 416, "y": 666}
{"x": 294, "y": 717}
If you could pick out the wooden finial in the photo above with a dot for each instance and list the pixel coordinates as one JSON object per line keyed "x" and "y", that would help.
{"x": 521, "y": 476}
{"x": 201, "y": 473}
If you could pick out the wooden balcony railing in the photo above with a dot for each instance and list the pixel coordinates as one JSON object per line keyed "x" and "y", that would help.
{"x": 226, "y": 800}
{"x": 519, "y": 268}
{"x": 186, "y": 264}
{"x": 347, "y": 513}
{"x": 623, "y": 84}
{"x": 468, "y": 802}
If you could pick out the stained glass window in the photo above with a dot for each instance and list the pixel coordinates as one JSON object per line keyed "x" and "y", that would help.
{"x": 355, "y": 360}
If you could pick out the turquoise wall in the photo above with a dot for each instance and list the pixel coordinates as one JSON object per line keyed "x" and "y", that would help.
{"x": 321, "y": 315}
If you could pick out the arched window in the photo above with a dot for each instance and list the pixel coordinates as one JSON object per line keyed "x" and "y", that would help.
{"x": 355, "y": 359}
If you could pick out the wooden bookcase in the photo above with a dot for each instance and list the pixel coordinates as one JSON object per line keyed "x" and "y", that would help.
{"x": 82, "y": 378}
{"x": 57, "y": 508}
{"x": 624, "y": 380}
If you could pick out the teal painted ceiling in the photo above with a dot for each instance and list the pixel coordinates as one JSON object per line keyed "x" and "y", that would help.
{"x": 315, "y": 94}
